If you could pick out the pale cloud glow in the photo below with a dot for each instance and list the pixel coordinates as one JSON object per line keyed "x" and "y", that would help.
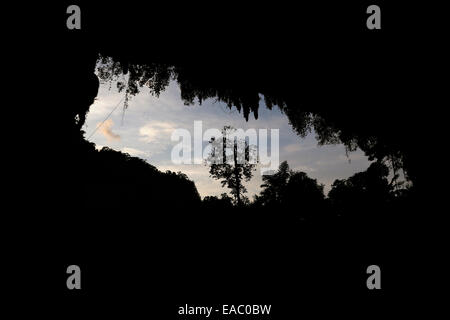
{"x": 134, "y": 152}
{"x": 296, "y": 147}
{"x": 155, "y": 130}
{"x": 105, "y": 128}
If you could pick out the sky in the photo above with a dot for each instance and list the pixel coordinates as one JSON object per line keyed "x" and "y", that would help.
{"x": 144, "y": 130}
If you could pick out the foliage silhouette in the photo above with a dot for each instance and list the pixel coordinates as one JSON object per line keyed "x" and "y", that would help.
{"x": 234, "y": 168}
{"x": 274, "y": 186}
{"x": 292, "y": 191}
{"x": 225, "y": 202}
{"x": 368, "y": 191}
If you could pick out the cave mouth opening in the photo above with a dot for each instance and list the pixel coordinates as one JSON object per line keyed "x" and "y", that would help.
{"x": 136, "y": 112}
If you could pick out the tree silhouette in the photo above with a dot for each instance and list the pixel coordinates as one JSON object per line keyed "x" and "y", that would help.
{"x": 291, "y": 190}
{"x": 230, "y": 161}
{"x": 304, "y": 195}
{"x": 216, "y": 203}
{"x": 274, "y": 186}
{"x": 368, "y": 191}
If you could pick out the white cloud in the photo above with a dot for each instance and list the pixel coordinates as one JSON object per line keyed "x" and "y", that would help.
{"x": 297, "y": 147}
{"x": 156, "y": 130}
{"x": 134, "y": 152}
{"x": 306, "y": 169}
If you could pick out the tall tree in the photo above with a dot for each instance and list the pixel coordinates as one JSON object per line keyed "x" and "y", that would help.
{"x": 365, "y": 191}
{"x": 230, "y": 162}
{"x": 274, "y": 185}
{"x": 292, "y": 190}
